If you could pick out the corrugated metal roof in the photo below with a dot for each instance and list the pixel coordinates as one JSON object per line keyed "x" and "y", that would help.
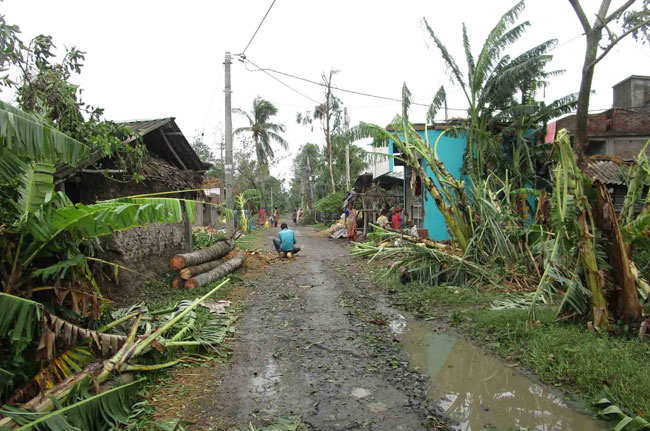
{"x": 607, "y": 171}
{"x": 142, "y": 127}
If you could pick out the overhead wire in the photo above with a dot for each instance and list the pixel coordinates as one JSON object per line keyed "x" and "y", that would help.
{"x": 245, "y": 60}
{"x": 269, "y": 72}
{"x": 258, "y": 28}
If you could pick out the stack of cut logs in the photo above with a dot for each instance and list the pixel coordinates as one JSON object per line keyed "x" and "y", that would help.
{"x": 204, "y": 266}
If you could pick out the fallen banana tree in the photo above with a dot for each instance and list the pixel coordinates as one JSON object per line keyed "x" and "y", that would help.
{"x": 176, "y": 331}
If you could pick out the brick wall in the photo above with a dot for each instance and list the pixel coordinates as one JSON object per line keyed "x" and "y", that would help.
{"x": 612, "y": 122}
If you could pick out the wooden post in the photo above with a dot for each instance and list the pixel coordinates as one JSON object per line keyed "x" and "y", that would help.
{"x": 187, "y": 230}
{"x": 169, "y": 146}
{"x": 198, "y": 214}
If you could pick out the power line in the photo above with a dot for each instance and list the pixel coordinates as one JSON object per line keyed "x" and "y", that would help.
{"x": 321, "y": 84}
{"x": 259, "y": 69}
{"x": 258, "y": 28}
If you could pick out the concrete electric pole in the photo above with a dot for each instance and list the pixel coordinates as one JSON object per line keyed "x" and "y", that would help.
{"x": 228, "y": 168}
{"x": 346, "y": 126}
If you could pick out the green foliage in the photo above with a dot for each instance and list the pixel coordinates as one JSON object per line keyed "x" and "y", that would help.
{"x": 203, "y": 237}
{"x": 82, "y": 410}
{"x": 262, "y": 129}
{"x": 19, "y": 330}
{"x": 332, "y": 203}
{"x": 493, "y": 83}
{"x": 423, "y": 299}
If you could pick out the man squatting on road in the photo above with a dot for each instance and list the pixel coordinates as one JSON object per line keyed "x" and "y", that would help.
{"x": 286, "y": 242}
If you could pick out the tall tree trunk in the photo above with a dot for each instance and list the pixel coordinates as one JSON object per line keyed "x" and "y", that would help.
{"x": 329, "y": 145}
{"x": 582, "y": 114}
{"x": 328, "y": 135}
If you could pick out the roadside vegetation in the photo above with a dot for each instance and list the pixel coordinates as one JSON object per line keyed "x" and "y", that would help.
{"x": 540, "y": 265}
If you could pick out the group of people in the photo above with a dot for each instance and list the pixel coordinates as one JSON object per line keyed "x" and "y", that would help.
{"x": 273, "y": 218}
{"x": 395, "y": 218}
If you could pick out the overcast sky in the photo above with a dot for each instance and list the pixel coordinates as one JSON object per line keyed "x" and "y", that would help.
{"x": 150, "y": 59}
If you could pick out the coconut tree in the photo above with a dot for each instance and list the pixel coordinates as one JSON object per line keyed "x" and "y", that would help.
{"x": 492, "y": 82}
{"x": 262, "y": 129}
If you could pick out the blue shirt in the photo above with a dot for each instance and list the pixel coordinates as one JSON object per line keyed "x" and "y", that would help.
{"x": 287, "y": 239}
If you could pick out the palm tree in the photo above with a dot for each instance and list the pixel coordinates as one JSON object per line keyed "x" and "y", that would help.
{"x": 262, "y": 129}
{"x": 493, "y": 82}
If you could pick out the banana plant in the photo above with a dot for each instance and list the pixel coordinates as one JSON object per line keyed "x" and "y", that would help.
{"x": 242, "y": 200}
{"x": 448, "y": 192}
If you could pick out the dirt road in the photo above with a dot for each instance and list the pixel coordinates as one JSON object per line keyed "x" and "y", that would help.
{"x": 311, "y": 343}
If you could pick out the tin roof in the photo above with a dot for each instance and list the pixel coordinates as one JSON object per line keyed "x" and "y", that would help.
{"x": 607, "y": 171}
{"x": 161, "y": 136}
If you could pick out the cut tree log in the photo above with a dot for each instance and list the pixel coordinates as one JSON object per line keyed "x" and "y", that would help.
{"x": 197, "y": 257}
{"x": 189, "y": 272}
{"x": 178, "y": 283}
{"x": 218, "y": 272}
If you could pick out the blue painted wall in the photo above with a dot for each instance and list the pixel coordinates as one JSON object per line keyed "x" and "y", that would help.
{"x": 450, "y": 152}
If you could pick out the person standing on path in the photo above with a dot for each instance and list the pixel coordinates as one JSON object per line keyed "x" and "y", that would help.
{"x": 262, "y": 216}
{"x": 276, "y": 216}
{"x": 286, "y": 242}
{"x": 351, "y": 222}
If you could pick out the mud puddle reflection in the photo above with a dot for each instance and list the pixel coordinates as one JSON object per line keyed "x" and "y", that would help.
{"x": 483, "y": 393}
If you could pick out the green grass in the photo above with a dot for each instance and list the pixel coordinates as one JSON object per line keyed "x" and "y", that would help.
{"x": 569, "y": 355}
{"x": 318, "y": 226}
{"x": 252, "y": 240}
{"x": 423, "y": 300}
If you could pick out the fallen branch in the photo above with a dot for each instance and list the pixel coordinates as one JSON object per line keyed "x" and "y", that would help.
{"x": 197, "y": 257}
{"x": 217, "y": 273}
{"x": 187, "y": 273}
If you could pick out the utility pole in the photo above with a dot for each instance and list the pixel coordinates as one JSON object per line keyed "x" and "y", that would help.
{"x": 230, "y": 226}
{"x": 346, "y": 126}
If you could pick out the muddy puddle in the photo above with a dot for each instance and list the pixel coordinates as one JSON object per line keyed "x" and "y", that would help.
{"x": 482, "y": 392}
